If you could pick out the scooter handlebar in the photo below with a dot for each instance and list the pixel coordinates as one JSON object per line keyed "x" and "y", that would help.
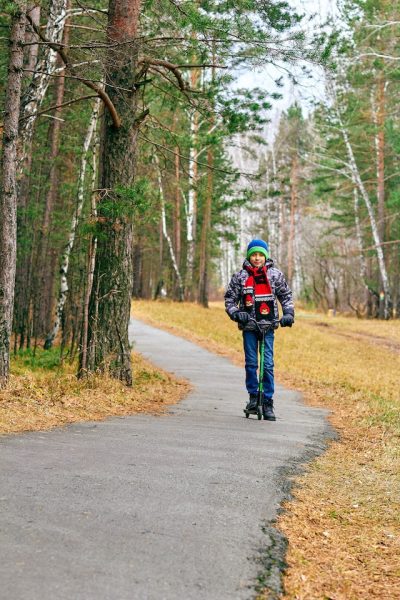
{"x": 264, "y": 325}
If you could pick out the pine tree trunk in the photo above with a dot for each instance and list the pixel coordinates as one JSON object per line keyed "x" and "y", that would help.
{"x": 137, "y": 265}
{"x": 293, "y": 209}
{"x": 378, "y": 116}
{"x": 277, "y": 241}
{"x": 363, "y": 263}
{"x": 109, "y": 309}
{"x": 8, "y": 195}
{"x": 205, "y": 233}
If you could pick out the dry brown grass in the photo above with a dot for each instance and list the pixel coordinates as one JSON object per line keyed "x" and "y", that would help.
{"x": 343, "y": 525}
{"x": 44, "y": 397}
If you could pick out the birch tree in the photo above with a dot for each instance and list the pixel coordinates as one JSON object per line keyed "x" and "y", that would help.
{"x": 165, "y": 230}
{"x": 36, "y": 91}
{"x": 355, "y": 174}
{"x": 65, "y": 260}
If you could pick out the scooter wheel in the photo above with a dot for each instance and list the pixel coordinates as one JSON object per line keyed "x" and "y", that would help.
{"x": 247, "y": 414}
{"x": 259, "y": 414}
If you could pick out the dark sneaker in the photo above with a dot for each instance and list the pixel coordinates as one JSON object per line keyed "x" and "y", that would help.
{"x": 251, "y": 406}
{"x": 268, "y": 410}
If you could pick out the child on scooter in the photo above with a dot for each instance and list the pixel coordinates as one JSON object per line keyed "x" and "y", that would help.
{"x": 251, "y": 301}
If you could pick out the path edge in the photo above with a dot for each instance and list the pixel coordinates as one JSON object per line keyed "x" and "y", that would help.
{"x": 271, "y": 556}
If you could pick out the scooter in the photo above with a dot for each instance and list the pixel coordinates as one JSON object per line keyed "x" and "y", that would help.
{"x": 258, "y": 411}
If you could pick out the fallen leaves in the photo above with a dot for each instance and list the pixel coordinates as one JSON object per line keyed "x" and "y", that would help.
{"x": 44, "y": 398}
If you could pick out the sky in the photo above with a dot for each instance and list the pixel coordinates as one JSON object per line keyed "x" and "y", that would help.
{"x": 308, "y": 90}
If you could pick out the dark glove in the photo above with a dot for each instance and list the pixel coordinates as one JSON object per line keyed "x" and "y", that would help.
{"x": 241, "y": 317}
{"x": 287, "y": 320}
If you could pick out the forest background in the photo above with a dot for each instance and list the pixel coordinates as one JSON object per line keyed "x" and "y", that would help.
{"x": 142, "y": 169}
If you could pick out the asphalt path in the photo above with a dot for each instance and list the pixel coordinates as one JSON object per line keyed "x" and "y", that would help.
{"x": 171, "y": 507}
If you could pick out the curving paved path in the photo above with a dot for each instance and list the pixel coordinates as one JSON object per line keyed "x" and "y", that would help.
{"x": 152, "y": 508}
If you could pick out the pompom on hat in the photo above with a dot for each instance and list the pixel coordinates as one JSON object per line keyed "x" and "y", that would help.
{"x": 257, "y": 246}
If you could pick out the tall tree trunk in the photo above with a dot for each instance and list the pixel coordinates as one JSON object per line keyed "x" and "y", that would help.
{"x": 177, "y": 210}
{"x": 293, "y": 210}
{"x": 29, "y": 107}
{"x": 378, "y": 116}
{"x": 191, "y": 216}
{"x": 363, "y": 262}
{"x": 205, "y": 232}
{"x": 378, "y": 112}
{"x": 374, "y": 229}
{"x": 37, "y": 89}
{"x": 165, "y": 231}
{"x": 137, "y": 266}
{"x": 83, "y": 359}
{"x": 109, "y": 309}
{"x": 74, "y": 225}
{"x": 32, "y": 49}
{"x": 45, "y": 267}
{"x": 8, "y": 196}
{"x": 206, "y": 225}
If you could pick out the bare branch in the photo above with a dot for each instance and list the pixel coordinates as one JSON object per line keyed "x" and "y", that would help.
{"x": 186, "y": 157}
{"x": 381, "y": 244}
{"x": 377, "y": 55}
{"x": 98, "y": 89}
{"x": 56, "y": 106}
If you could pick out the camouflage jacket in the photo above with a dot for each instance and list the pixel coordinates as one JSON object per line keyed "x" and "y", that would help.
{"x": 234, "y": 295}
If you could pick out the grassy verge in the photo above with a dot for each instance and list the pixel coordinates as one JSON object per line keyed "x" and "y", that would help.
{"x": 44, "y": 394}
{"x": 344, "y": 522}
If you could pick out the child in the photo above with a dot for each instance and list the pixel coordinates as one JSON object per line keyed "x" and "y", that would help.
{"x": 251, "y": 296}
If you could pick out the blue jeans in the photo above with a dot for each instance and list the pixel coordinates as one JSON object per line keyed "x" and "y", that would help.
{"x": 250, "y": 345}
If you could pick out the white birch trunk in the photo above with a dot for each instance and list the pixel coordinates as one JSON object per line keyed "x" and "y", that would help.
{"x": 192, "y": 201}
{"x": 74, "y": 225}
{"x": 40, "y": 81}
{"x": 363, "y": 264}
{"x": 91, "y": 266}
{"x": 165, "y": 231}
{"x": 374, "y": 228}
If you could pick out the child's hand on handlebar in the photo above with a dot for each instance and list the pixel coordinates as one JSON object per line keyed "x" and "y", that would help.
{"x": 287, "y": 320}
{"x": 241, "y": 317}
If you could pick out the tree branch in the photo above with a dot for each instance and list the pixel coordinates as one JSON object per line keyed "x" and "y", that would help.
{"x": 186, "y": 157}
{"x": 55, "y": 106}
{"x": 146, "y": 60}
{"x": 98, "y": 89}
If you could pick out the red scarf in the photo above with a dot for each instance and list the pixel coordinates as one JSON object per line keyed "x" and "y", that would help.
{"x": 257, "y": 292}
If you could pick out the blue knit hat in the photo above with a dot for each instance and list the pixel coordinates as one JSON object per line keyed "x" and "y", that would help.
{"x": 257, "y": 246}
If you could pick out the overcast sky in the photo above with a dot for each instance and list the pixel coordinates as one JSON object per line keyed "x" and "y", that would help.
{"x": 308, "y": 90}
